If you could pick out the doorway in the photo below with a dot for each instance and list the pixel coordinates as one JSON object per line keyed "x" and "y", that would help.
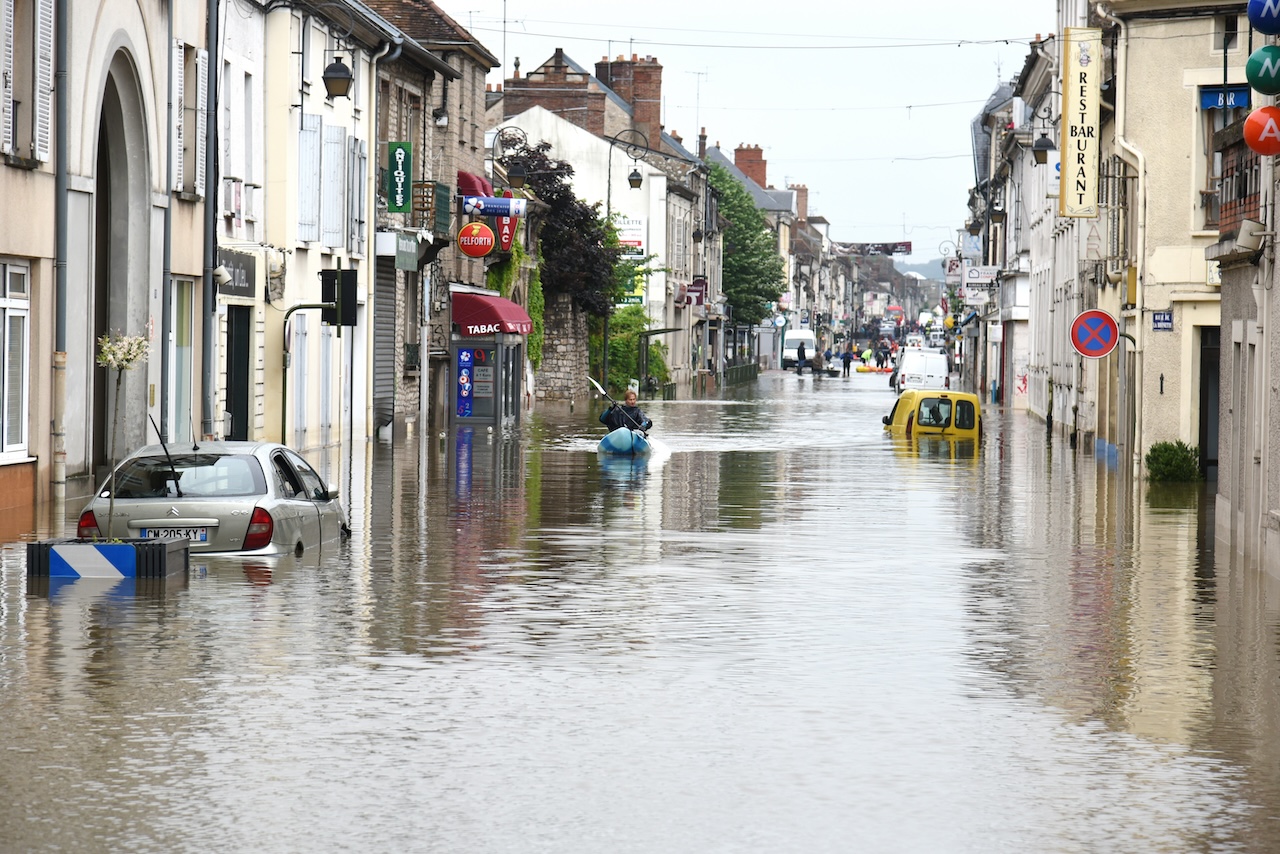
{"x": 239, "y": 358}
{"x": 1210, "y": 345}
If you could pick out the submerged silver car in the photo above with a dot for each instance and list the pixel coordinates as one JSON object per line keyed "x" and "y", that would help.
{"x": 257, "y": 498}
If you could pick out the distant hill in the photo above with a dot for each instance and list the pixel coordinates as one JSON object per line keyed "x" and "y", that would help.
{"x": 928, "y": 269}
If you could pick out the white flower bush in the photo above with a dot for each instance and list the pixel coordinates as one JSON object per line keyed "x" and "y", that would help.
{"x": 123, "y": 352}
{"x": 120, "y": 353}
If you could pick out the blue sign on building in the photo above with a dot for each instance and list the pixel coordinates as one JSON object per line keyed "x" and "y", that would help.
{"x": 1162, "y": 321}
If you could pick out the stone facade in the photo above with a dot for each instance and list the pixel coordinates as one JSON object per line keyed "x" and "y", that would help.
{"x": 563, "y": 373}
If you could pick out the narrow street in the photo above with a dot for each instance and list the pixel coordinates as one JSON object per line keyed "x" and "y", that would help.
{"x": 784, "y": 632}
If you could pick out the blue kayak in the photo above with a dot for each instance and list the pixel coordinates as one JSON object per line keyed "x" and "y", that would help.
{"x": 624, "y": 440}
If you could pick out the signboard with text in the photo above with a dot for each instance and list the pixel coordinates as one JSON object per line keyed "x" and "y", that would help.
{"x": 399, "y": 177}
{"x": 1081, "y": 121}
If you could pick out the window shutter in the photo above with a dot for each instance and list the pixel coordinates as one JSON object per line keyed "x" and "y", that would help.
{"x": 6, "y": 77}
{"x": 357, "y": 160}
{"x": 202, "y": 117}
{"x": 363, "y": 185}
{"x": 309, "y": 179}
{"x": 333, "y": 203}
{"x": 176, "y": 136}
{"x": 444, "y": 214}
{"x": 43, "y": 96}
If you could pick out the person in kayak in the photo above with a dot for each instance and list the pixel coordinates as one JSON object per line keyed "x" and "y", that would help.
{"x": 625, "y": 414}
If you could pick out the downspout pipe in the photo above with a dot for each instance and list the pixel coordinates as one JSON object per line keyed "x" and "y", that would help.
{"x": 58, "y": 476}
{"x": 166, "y": 280}
{"x": 1140, "y": 254}
{"x": 208, "y": 352}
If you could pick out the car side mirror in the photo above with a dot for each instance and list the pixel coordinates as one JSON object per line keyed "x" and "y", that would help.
{"x": 884, "y": 420}
{"x": 329, "y": 494}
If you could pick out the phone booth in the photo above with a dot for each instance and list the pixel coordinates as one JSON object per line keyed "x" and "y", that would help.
{"x": 486, "y": 351}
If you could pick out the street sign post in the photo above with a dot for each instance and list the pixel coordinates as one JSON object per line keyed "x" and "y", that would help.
{"x": 1094, "y": 333}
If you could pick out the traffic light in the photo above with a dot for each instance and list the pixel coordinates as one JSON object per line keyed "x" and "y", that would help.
{"x": 338, "y": 287}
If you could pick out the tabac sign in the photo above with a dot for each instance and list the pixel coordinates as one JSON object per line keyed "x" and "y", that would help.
{"x": 1081, "y": 75}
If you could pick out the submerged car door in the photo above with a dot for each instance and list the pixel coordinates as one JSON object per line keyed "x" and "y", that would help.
{"x": 296, "y": 513}
{"x": 327, "y": 509}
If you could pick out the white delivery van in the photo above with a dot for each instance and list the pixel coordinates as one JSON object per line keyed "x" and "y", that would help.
{"x": 923, "y": 369}
{"x": 789, "y": 342}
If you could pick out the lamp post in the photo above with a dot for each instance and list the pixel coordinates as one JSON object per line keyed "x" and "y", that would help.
{"x": 635, "y": 144}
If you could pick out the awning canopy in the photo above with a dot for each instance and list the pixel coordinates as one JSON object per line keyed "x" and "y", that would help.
{"x": 481, "y": 314}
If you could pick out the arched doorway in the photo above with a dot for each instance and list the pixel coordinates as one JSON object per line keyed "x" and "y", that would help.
{"x": 120, "y": 259}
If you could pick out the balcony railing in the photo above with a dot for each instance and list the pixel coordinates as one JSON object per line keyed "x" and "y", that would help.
{"x": 1239, "y": 195}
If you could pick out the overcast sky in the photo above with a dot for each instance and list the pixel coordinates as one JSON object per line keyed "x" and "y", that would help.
{"x": 868, "y": 104}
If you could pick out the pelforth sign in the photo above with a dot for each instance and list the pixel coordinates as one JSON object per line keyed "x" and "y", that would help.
{"x": 1081, "y": 76}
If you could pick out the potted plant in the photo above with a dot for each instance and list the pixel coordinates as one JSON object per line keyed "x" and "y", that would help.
{"x": 111, "y": 557}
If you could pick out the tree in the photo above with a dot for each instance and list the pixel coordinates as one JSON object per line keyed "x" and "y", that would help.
{"x": 578, "y": 249}
{"x": 753, "y": 273}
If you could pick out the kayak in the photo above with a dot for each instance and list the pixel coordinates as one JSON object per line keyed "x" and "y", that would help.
{"x": 624, "y": 440}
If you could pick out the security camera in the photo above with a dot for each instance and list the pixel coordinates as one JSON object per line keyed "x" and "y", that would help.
{"x": 220, "y": 275}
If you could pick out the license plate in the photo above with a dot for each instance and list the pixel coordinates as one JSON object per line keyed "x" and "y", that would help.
{"x": 195, "y": 535}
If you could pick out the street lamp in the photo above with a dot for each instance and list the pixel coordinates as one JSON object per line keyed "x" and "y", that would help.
{"x": 1040, "y": 150}
{"x": 635, "y": 144}
{"x": 509, "y": 136}
{"x": 337, "y": 78}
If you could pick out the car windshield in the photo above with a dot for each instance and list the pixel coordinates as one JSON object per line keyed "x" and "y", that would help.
{"x": 198, "y": 475}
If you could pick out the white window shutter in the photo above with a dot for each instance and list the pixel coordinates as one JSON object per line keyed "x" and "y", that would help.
{"x": 357, "y": 157}
{"x": 6, "y": 77}
{"x": 43, "y": 95}
{"x": 202, "y": 117}
{"x": 177, "y": 136}
{"x": 309, "y": 179}
{"x": 333, "y": 185}
{"x": 361, "y": 190}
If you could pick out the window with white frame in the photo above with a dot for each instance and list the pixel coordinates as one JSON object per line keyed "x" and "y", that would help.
{"x": 26, "y": 78}
{"x": 15, "y": 368}
{"x": 189, "y": 134}
{"x": 331, "y": 185}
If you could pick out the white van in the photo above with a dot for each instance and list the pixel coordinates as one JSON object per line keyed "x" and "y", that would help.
{"x": 789, "y": 342}
{"x": 923, "y": 369}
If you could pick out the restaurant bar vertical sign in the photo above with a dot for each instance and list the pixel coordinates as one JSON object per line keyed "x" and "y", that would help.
{"x": 1081, "y": 75}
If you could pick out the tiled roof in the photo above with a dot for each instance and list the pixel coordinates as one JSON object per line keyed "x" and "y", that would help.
{"x": 429, "y": 25}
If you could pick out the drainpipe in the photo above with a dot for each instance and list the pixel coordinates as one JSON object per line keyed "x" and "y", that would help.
{"x": 58, "y": 475}
{"x": 1122, "y": 62}
{"x": 166, "y": 277}
{"x": 208, "y": 352}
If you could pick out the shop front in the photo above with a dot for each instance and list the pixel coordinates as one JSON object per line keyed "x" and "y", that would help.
{"x": 487, "y": 355}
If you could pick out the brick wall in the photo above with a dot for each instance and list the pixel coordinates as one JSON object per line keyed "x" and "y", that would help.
{"x": 750, "y": 159}
{"x": 563, "y": 373}
{"x": 558, "y": 88}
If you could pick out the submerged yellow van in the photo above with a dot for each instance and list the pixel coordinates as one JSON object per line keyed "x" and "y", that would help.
{"x": 934, "y": 412}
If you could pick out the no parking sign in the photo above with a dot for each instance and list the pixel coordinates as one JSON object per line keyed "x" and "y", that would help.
{"x": 1094, "y": 333}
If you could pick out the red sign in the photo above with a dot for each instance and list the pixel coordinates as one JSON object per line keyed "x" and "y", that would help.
{"x": 507, "y": 227}
{"x": 476, "y": 240}
{"x": 1094, "y": 333}
{"x": 1262, "y": 131}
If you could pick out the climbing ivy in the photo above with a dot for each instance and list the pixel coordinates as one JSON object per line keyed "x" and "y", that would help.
{"x": 501, "y": 277}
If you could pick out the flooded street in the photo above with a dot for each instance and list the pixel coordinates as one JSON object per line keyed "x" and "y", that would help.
{"x": 785, "y": 632}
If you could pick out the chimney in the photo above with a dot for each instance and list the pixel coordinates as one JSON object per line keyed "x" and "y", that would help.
{"x": 750, "y": 160}
{"x": 702, "y": 145}
{"x": 802, "y": 201}
{"x": 638, "y": 82}
{"x": 677, "y": 137}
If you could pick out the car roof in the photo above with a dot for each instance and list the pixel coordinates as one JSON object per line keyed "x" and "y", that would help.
{"x": 224, "y": 447}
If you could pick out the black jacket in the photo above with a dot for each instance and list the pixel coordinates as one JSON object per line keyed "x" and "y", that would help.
{"x": 620, "y": 415}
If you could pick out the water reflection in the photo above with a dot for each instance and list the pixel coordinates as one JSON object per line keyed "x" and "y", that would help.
{"x": 789, "y": 632}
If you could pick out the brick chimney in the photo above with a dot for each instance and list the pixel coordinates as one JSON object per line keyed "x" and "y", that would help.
{"x": 702, "y": 145}
{"x": 638, "y": 82}
{"x": 802, "y": 201}
{"x": 750, "y": 159}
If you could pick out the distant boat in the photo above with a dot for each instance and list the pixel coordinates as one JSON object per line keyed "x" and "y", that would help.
{"x": 625, "y": 441}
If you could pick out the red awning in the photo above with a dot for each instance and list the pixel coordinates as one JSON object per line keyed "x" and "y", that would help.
{"x": 480, "y": 314}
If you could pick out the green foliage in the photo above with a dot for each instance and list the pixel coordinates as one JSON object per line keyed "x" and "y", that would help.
{"x": 753, "y": 271}
{"x": 1173, "y": 461}
{"x": 578, "y": 254}
{"x": 502, "y": 276}
{"x": 625, "y": 327}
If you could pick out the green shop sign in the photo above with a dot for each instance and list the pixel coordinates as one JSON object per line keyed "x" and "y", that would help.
{"x": 399, "y": 177}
